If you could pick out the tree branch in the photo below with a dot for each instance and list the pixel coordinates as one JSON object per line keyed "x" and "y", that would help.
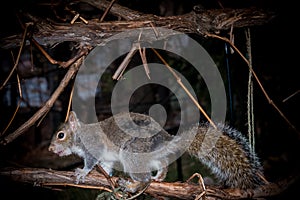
{"x": 94, "y": 33}
{"x": 182, "y": 190}
{"x": 48, "y": 105}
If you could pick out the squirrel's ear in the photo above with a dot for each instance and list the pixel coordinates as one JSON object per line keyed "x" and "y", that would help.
{"x": 73, "y": 121}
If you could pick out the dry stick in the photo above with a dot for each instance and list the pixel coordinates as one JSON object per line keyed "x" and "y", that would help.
{"x": 18, "y": 105}
{"x": 109, "y": 180}
{"x": 77, "y": 185}
{"x": 55, "y": 62}
{"x": 118, "y": 74}
{"x": 19, "y": 54}
{"x": 77, "y": 15}
{"x": 154, "y": 29}
{"x": 142, "y": 52}
{"x": 75, "y": 18}
{"x": 107, "y": 10}
{"x": 88, "y": 186}
{"x": 136, "y": 46}
{"x": 42, "y": 118}
{"x": 117, "y": 195}
{"x": 70, "y": 102}
{"x": 286, "y": 99}
{"x": 12, "y": 118}
{"x": 19, "y": 87}
{"x": 184, "y": 88}
{"x": 270, "y": 101}
{"x": 250, "y": 106}
{"x": 201, "y": 184}
{"x": 144, "y": 60}
{"x": 48, "y": 105}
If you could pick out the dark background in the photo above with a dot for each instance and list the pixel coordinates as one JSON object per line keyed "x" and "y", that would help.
{"x": 275, "y": 57}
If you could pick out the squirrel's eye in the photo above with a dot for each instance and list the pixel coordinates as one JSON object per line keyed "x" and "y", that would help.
{"x": 61, "y": 135}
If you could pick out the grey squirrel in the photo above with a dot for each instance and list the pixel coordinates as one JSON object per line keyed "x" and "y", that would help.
{"x": 105, "y": 143}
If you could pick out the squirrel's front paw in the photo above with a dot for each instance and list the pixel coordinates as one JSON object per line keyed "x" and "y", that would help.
{"x": 80, "y": 175}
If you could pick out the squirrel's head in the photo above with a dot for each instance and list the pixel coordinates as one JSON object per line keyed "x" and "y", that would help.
{"x": 65, "y": 136}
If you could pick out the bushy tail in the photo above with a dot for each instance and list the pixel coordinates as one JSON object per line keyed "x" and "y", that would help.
{"x": 226, "y": 152}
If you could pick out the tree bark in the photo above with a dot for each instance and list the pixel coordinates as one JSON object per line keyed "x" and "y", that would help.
{"x": 182, "y": 190}
{"x": 199, "y": 21}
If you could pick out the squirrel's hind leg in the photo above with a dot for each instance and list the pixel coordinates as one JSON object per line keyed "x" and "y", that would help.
{"x": 160, "y": 170}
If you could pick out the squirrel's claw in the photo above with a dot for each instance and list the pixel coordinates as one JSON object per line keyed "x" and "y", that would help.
{"x": 80, "y": 175}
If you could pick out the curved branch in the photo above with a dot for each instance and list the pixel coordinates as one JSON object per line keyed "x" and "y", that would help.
{"x": 182, "y": 190}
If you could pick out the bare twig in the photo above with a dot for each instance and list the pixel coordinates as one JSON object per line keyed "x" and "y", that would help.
{"x": 118, "y": 74}
{"x": 270, "y": 101}
{"x": 77, "y": 15}
{"x": 55, "y": 62}
{"x": 201, "y": 184}
{"x": 135, "y": 46}
{"x": 184, "y": 88}
{"x": 107, "y": 10}
{"x": 78, "y": 186}
{"x": 74, "y": 18}
{"x": 19, "y": 54}
{"x": 48, "y": 105}
{"x": 18, "y": 105}
{"x": 42, "y": 118}
{"x": 144, "y": 60}
{"x": 12, "y": 118}
{"x": 142, "y": 52}
{"x": 154, "y": 29}
{"x": 70, "y": 103}
{"x": 290, "y": 96}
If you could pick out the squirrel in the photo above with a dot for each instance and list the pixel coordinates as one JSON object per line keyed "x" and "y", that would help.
{"x": 106, "y": 144}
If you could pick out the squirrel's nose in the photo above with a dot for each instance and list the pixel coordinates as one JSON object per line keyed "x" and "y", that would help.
{"x": 51, "y": 147}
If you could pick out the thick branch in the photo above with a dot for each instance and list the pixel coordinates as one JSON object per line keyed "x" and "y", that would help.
{"x": 45, "y": 177}
{"x": 93, "y": 33}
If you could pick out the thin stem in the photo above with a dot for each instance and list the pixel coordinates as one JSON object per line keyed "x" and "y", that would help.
{"x": 185, "y": 89}
{"x": 19, "y": 54}
{"x": 270, "y": 101}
